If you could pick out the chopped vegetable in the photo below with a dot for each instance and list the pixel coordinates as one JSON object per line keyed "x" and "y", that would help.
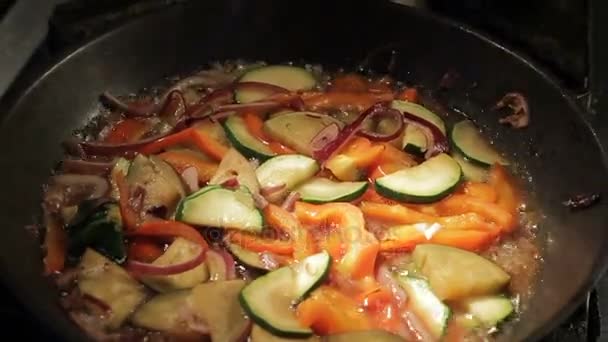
{"x": 467, "y": 138}
{"x": 582, "y": 201}
{"x": 455, "y": 274}
{"x": 110, "y": 284}
{"x": 352, "y": 162}
{"x": 245, "y": 142}
{"x": 235, "y": 165}
{"x": 184, "y": 159}
{"x": 288, "y": 77}
{"x": 323, "y": 190}
{"x": 228, "y": 323}
{"x": 285, "y": 173}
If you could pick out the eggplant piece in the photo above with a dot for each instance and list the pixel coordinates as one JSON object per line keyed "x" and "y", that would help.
{"x": 171, "y": 313}
{"x": 160, "y": 184}
{"x": 455, "y": 273}
{"x": 217, "y": 303}
{"x": 98, "y": 226}
{"x": 110, "y": 284}
{"x": 181, "y": 250}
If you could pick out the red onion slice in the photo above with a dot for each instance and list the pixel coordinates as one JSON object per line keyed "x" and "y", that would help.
{"x": 376, "y": 136}
{"x": 272, "y": 189}
{"x": 260, "y": 201}
{"x": 146, "y": 269}
{"x": 190, "y": 178}
{"x": 290, "y": 201}
{"x": 86, "y": 167}
{"x": 109, "y": 149}
{"x": 437, "y": 142}
{"x": 325, "y": 136}
{"x": 347, "y": 132}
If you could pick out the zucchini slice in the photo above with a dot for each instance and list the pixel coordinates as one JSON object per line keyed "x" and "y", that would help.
{"x": 234, "y": 164}
{"x": 425, "y": 305}
{"x": 489, "y": 310}
{"x": 297, "y": 129}
{"x": 289, "y": 169}
{"x": 322, "y": 190}
{"x": 472, "y": 144}
{"x": 217, "y": 206}
{"x": 428, "y": 182}
{"x": 470, "y": 171}
{"x": 285, "y": 76}
{"x": 247, "y": 257}
{"x": 414, "y": 140}
{"x": 243, "y": 141}
{"x": 268, "y": 300}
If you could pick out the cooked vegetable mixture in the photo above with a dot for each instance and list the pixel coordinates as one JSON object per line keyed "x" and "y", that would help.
{"x": 280, "y": 203}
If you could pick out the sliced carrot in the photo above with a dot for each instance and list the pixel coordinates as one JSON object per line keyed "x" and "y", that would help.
{"x": 408, "y": 94}
{"x": 328, "y": 311}
{"x": 55, "y": 243}
{"x": 282, "y": 220}
{"x": 483, "y": 191}
{"x": 259, "y": 244}
{"x": 146, "y": 250}
{"x": 279, "y": 148}
{"x": 508, "y": 196}
{"x": 181, "y": 160}
{"x": 460, "y": 204}
{"x": 349, "y": 83}
{"x": 126, "y": 130}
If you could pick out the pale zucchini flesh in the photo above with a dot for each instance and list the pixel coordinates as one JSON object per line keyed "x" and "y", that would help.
{"x": 323, "y": 190}
{"x": 297, "y": 129}
{"x": 414, "y": 140}
{"x": 285, "y": 76}
{"x": 489, "y": 310}
{"x": 425, "y": 304}
{"x": 470, "y": 171}
{"x": 427, "y": 182}
{"x": 268, "y": 300}
{"x": 216, "y": 206}
{"x": 468, "y": 140}
{"x": 247, "y": 257}
{"x": 289, "y": 170}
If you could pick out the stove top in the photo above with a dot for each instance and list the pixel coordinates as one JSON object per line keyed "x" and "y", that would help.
{"x": 555, "y": 45}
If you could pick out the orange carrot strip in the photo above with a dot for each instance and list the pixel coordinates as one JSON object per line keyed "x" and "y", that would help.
{"x": 170, "y": 229}
{"x": 168, "y": 141}
{"x": 208, "y": 145}
{"x": 130, "y": 218}
{"x": 508, "y": 197}
{"x": 282, "y": 220}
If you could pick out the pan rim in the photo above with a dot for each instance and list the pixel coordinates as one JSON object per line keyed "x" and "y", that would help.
{"x": 28, "y": 80}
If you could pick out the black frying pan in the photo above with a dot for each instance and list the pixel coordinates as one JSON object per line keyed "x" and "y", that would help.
{"x": 559, "y": 151}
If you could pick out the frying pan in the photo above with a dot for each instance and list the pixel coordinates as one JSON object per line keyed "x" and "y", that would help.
{"x": 558, "y": 153}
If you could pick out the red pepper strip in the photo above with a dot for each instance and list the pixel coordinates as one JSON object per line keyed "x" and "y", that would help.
{"x": 143, "y": 249}
{"x": 126, "y": 131}
{"x": 347, "y": 132}
{"x": 130, "y": 218}
{"x": 329, "y": 311}
{"x": 280, "y": 219}
{"x": 170, "y": 229}
{"x": 55, "y": 243}
{"x": 408, "y": 94}
{"x": 360, "y": 246}
{"x": 259, "y": 244}
{"x": 189, "y": 135}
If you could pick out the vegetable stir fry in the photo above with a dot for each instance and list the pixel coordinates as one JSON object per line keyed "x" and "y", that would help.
{"x": 277, "y": 202}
